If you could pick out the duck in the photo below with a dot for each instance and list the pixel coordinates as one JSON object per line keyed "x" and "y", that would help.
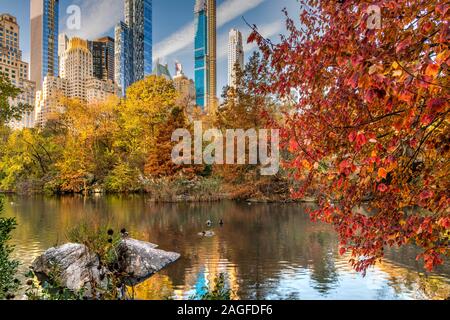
{"x": 207, "y": 234}
{"x": 209, "y": 223}
{"x": 221, "y": 222}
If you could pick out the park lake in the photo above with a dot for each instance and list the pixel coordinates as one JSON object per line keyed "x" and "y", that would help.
{"x": 266, "y": 251}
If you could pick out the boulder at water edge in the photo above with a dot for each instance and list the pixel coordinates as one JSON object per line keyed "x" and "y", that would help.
{"x": 78, "y": 268}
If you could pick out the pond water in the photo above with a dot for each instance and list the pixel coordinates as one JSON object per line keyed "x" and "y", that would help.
{"x": 267, "y": 251}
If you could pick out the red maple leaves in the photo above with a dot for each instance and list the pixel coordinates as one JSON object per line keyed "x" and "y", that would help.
{"x": 371, "y": 120}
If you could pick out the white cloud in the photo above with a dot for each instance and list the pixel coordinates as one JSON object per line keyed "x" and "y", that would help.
{"x": 266, "y": 30}
{"x": 97, "y": 18}
{"x": 184, "y": 37}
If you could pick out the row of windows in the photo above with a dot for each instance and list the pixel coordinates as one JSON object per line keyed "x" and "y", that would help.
{"x": 8, "y": 32}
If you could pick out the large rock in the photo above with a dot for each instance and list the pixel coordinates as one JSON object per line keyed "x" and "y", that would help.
{"x": 74, "y": 265}
{"x": 140, "y": 260}
{"x": 78, "y": 268}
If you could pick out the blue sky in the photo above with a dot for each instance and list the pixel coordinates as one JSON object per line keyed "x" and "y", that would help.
{"x": 172, "y": 25}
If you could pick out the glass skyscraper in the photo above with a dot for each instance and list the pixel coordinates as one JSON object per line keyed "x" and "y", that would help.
{"x": 103, "y": 58}
{"x": 205, "y": 54}
{"x": 200, "y": 53}
{"x": 134, "y": 43}
{"x": 44, "y": 15}
{"x": 124, "y": 71}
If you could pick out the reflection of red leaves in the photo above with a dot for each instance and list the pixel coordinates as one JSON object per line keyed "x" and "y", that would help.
{"x": 342, "y": 251}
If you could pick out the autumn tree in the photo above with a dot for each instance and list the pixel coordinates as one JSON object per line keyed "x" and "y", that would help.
{"x": 159, "y": 162}
{"x": 371, "y": 127}
{"x": 145, "y": 108}
{"x": 8, "y": 110}
{"x": 88, "y": 132}
{"x": 244, "y": 108}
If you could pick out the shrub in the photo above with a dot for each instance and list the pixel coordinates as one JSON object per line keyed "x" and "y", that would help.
{"x": 8, "y": 267}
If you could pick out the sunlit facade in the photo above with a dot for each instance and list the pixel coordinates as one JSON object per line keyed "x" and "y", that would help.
{"x": 44, "y": 15}
{"x": 235, "y": 55}
{"x": 15, "y": 69}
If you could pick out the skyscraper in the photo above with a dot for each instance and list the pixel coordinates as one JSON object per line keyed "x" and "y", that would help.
{"x": 212, "y": 56}
{"x": 63, "y": 44}
{"x": 162, "y": 70}
{"x": 124, "y": 70}
{"x": 78, "y": 68}
{"x": 13, "y": 67}
{"x": 77, "y": 82}
{"x": 134, "y": 43}
{"x": 103, "y": 58}
{"x": 44, "y": 15}
{"x": 205, "y": 54}
{"x": 235, "y": 55}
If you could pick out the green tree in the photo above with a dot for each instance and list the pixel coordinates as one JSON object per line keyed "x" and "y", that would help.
{"x": 10, "y": 111}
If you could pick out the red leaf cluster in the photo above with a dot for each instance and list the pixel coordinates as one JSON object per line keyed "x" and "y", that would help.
{"x": 373, "y": 114}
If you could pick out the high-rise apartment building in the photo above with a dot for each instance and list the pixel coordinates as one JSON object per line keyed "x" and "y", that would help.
{"x": 205, "y": 54}
{"x": 235, "y": 55}
{"x": 63, "y": 44}
{"x": 12, "y": 66}
{"x": 78, "y": 68}
{"x": 123, "y": 56}
{"x": 44, "y": 15}
{"x": 134, "y": 43}
{"x": 77, "y": 82}
{"x": 103, "y": 58}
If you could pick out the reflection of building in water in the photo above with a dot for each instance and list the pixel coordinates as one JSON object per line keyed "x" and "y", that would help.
{"x": 204, "y": 273}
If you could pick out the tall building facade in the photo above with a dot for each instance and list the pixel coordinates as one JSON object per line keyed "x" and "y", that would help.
{"x": 205, "y": 66}
{"x": 63, "y": 44}
{"x": 162, "y": 70}
{"x": 134, "y": 43}
{"x": 77, "y": 82}
{"x": 103, "y": 58}
{"x": 44, "y": 15}
{"x": 78, "y": 68}
{"x": 212, "y": 56}
{"x": 12, "y": 66}
{"x": 123, "y": 56}
{"x": 235, "y": 55}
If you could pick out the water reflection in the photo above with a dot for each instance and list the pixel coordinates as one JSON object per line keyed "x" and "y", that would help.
{"x": 267, "y": 251}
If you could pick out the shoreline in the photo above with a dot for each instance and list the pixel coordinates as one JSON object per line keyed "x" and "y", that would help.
{"x": 175, "y": 199}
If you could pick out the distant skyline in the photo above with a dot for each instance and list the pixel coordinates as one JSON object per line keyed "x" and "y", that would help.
{"x": 173, "y": 26}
